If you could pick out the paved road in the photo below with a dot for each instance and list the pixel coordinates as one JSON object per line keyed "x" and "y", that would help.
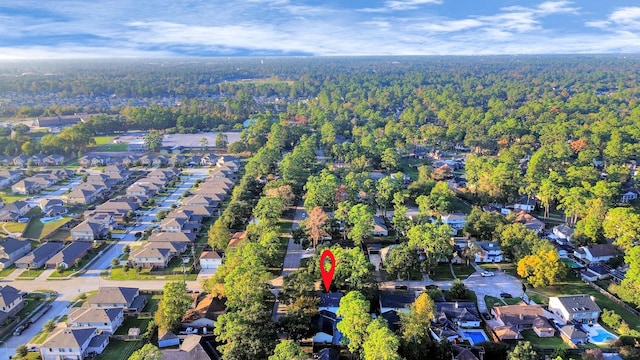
{"x": 69, "y": 288}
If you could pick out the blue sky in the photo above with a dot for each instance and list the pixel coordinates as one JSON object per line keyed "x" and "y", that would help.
{"x": 44, "y": 29}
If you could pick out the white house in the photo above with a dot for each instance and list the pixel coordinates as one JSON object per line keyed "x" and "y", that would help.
{"x": 105, "y": 320}
{"x": 581, "y": 308}
{"x": 456, "y": 221}
{"x": 563, "y": 231}
{"x": 524, "y": 203}
{"x": 490, "y": 251}
{"x": 379, "y": 227}
{"x": 596, "y": 253}
{"x": 629, "y": 196}
{"x": 210, "y": 260}
{"x": 74, "y": 344}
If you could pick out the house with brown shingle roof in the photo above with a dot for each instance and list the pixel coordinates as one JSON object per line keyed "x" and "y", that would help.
{"x": 522, "y": 317}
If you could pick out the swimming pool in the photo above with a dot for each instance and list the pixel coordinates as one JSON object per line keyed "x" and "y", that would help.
{"x": 599, "y": 335}
{"x": 475, "y": 336}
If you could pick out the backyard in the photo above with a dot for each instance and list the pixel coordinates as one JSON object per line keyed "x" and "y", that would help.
{"x": 118, "y": 273}
{"x": 37, "y": 230}
{"x": 543, "y": 342}
{"x": 119, "y": 350}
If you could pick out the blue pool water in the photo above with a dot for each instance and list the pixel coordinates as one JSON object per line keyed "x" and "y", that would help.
{"x": 602, "y": 336}
{"x": 475, "y": 336}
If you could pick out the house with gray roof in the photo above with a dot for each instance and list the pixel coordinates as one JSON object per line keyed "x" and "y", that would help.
{"x": 596, "y": 253}
{"x": 578, "y": 308}
{"x": 89, "y": 231}
{"x": 11, "y": 250}
{"x": 39, "y": 256}
{"x": 190, "y": 349}
{"x": 116, "y": 296}
{"x": 72, "y": 344}
{"x": 70, "y": 255}
{"x": 461, "y": 313}
{"x": 151, "y": 256}
{"x": 11, "y": 301}
{"x": 106, "y": 320}
{"x": 574, "y": 334}
{"x": 172, "y": 236}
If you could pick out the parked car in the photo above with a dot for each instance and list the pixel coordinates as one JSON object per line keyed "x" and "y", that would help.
{"x": 19, "y": 330}
{"x": 401, "y": 287}
{"x": 506, "y": 295}
{"x": 431, "y": 287}
{"x": 486, "y": 316}
{"x": 487, "y": 273}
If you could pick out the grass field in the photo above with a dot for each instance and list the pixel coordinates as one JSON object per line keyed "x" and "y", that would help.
{"x": 105, "y": 143}
{"x": 441, "y": 272}
{"x": 37, "y": 230}
{"x": 30, "y": 274}
{"x": 14, "y": 227}
{"x": 545, "y": 342}
{"x": 7, "y": 271}
{"x": 493, "y": 301}
{"x": 8, "y": 197}
{"x": 119, "y": 274}
{"x": 463, "y": 271}
{"x": 119, "y": 350}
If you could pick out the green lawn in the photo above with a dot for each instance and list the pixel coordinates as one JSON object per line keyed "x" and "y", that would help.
{"x": 78, "y": 266}
{"x": 33, "y": 300}
{"x": 573, "y": 285}
{"x": 463, "y": 271}
{"x": 7, "y": 271}
{"x": 119, "y": 274}
{"x": 133, "y": 322}
{"x": 508, "y": 268}
{"x": 492, "y": 301}
{"x": 8, "y": 197}
{"x": 513, "y": 301}
{"x": 152, "y": 303}
{"x": 103, "y": 140}
{"x": 37, "y": 230}
{"x": 441, "y": 272}
{"x": 119, "y": 350}
{"x": 30, "y": 274}
{"x": 14, "y": 227}
{"x": 545, "y": 342}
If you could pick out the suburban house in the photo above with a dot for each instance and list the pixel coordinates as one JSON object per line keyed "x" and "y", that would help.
{"x": 190, "y": 349}
{"x": 172, "y": 237}
{"x": 119, "y": 297}
{"x": 39, "y": 256}
{"x": 514, "y": 318}
{"x": 210, "y": 260}
{"x": 20, "y": 208}
{"x": 53, "y": 160}
{"x": 460, "y": 313}
{"x": 524, "y": 203}
{"x": 563, "y": 231}
{"x": 105, "y": 320}
{"x": 70, "y": 255}
{"x": 490, "y": 252}
{"x": 594, "y": 272}
{"x": 8, "y": 177}
{"x": 205, "y": 313}
{"x": 236, "y": 239}
{"x": 396, "y": 301}
{"x": 81, "y": 197}
{"x": 89, "y": 231}
{"x": 11, "y": 250}
{"x": 596, "y": 253}
{"x": 11, "y": 302}
{"x": 151, "y": 256}
{"x": 173, "y": 224}
{"x": 574, "y": 334}
{"x": 45, "y": 204}
{"x": 455, "y": 221}
{"x": 379, "y": 227}
{"x": 21, "y": 161}
{"x": 579, "y": 308}
{"x": 73, "y": 344}
{"x": 629, "y": 196}
{"x": 467, "y": 353}
{"x": 529, "y": 221}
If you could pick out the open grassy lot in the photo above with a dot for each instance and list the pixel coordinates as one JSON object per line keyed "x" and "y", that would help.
{"x": 37, "y": 230}
{"x": 463, "y": 271}
{"x": 545, "y": 342}
{"x": 14, "y": 227}
{"x": 32, "y": 301}
{"x": 119, "y": 350}
{"x": 105, "y": 143}
{"x": 441, "y": 272}
{"x": 103, "y": 140}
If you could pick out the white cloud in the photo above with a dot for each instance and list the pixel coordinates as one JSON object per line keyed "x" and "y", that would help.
{"x": 621, "y": 19}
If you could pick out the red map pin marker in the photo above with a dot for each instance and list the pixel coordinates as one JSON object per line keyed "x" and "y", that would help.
{"x": 327, "y": 275}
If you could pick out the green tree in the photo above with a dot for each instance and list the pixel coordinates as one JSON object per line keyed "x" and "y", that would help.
{"x": 268, "y": 209}
{"x": 381, "y": 343}
{"x": 221, "y": 140}
{"x": 386, "y": 188}
{"x": 458, "y": 290}
{"x": 621, "y": 225}
{"x": 218, "y": 235}
{"x": 522, "y": 351}
{"x": 361, "y": 220}
{"x": 483, "y": 224}
{"x": 354, "y": 311}
{"x": 289, "y": 350}
{"x": 174, "y": 304}
{"x": 516, "y": 241}
{"x": 401, "y": 261}
{"x": 434, "y": 240}
{"x": 247, "y": 334}
{"x": 321, "y": 191}
{"x": 204, "y": 143}
{"x": 399, "y": 219}
{"x": 390, "y": 159}
{"x": 437, "y": 202}
{"x": 147, "y": 352}
{"x": 629, "y": 289}
{"x": 298, "y": 321}
{"x": 153, "y": 140}
{"x": 22, "y": 351}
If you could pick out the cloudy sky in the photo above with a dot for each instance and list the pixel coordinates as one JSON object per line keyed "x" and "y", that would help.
{"x": 42, "y": 29}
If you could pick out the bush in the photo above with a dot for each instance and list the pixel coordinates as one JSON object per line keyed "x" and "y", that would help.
{"x": 611, "y": 319}
{"x": 22, "y": 351}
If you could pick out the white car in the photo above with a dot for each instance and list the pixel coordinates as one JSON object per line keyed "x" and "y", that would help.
{"x": 487, "y": 273}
